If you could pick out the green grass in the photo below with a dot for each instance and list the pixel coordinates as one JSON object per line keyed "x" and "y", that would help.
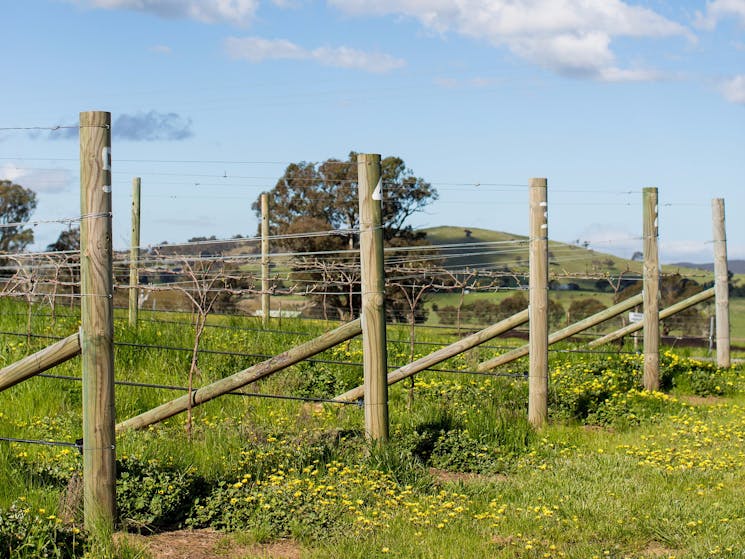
{"x": 737, "y": 321}
{"x": 617, "y": 473}
{"x": 564, "y": 259}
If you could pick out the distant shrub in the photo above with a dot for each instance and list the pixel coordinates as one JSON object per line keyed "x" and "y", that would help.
{"x": 582, "y": 308}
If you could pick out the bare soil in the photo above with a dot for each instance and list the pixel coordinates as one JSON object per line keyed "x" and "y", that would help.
{"x": 210, "y": 544}
{"x": 702, "y": 400}
{"x": 446, "y": 476}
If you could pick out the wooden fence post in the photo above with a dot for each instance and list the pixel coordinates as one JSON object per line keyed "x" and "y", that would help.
{"x": 651, "y": 291}
{"x": 721, "y": 283}
{"x": 538, "y": 304}
{"x": 38, "y": 362}
{"x": 97, "y": 333}
{"x": 134, "y": 253}
{"x": 374, "y": 356}
{"x": 265, "y": 258}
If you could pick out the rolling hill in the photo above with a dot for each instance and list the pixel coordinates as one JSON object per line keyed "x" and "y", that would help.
{"x": 735, "y": 266}
{"x": 489, "y": 250}
{"x": 496, "y": 250}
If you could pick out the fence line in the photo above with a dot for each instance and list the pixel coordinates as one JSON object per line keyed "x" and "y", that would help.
{"x": 198, "y": 278}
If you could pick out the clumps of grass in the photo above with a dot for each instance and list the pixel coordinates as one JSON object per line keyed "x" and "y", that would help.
{"x": 609, "y": 390}
{"x": 471, "y": 433}
{"x": 396, "y": 460}
{"x": 458, "y": 451}
{"x": 27, "y": 533}
{"x": 635, "y": 407}
{"x": 692, "y": 376}
{"x": 271, "y": 490}
{"x": 484, "y": 441}
{"x": 323, "y": 501}
{"x": 153, "y": 495}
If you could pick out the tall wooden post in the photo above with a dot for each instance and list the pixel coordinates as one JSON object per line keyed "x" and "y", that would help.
{"x": 651, "y": 291}
{"x": 265, "y": 258}
{"x": 97, "y": 324}
{"x": 538, "y": 300}
{"x": 374, "y": 357}
{"x": 134, "y": 253}
{"x": 721, "y": 286}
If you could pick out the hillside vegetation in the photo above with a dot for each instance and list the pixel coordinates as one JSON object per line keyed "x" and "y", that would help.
{"x": 564, "y": 259}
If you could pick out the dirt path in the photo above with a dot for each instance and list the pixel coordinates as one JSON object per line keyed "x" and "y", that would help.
{"x": 209, "y": 544}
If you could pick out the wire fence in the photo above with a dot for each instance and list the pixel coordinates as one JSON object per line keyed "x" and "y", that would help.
{"x": 452, "y": 287}
{"x": 326, "y": 284}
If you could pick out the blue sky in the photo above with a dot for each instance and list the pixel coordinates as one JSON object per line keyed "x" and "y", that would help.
{"x": 211, "y": 99}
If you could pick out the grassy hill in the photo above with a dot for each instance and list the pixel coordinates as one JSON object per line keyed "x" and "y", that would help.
{"x": 735, "y": 266}
{"x": 494, "y": 250}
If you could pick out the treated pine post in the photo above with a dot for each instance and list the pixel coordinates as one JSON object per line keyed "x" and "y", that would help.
{"x": 651, "y": 291}
{"x": 38, "y": 362}
{"x": 134, "y": 253}
{"x": 538, "y": 304}
{"x": 374, "y": 357}
{"x": 265, "y": 258}
{"x": 721, "y": 286}
{"x": 97, "y": 325}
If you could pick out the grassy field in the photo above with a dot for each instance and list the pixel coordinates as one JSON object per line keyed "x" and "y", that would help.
{"x": 618, "y": 473}
{"x": 564, "y": 259}
{"x": 737, "y": 321}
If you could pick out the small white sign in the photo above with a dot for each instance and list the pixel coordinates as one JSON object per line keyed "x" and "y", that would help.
{"x": 106, "y": 156}
{"x": 378, "y": 192}
{"x": 636, "y": 316}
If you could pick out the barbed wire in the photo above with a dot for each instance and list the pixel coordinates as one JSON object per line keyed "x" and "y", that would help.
{"x": 33, "y": 223}
{"x": 186, "y": 389}
{"x": 30, "y": 281}
{"x": 54, "y": 127}
{"x": 76, "y": 444}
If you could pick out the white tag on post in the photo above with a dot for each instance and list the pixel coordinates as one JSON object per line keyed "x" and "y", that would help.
{"x": 378, "y": 192}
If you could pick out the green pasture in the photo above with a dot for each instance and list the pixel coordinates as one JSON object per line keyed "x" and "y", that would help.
{"x": 618, "y": 473}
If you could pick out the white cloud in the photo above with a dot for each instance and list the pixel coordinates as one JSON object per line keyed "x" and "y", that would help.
{"x": 152, "y": 126}
{"x": 685, "y": 251}
{"x": 38, "y": 180}
{"x": 453, "y": 83}
{"x": 161, "y": 49}
{"x": 734, "y": 89}
{"x": 345, "y": 57}
{"x": 570, "y": 37}
{"x": 448, "y": 83}
{"x": 718, "y": 10}
{"x": 236, "y": 12}
{"x": 256, "y": 49}
{"x": 631, "y": 75}
{"x": 287, "y": 4}
{"x": 480, "y": 82}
